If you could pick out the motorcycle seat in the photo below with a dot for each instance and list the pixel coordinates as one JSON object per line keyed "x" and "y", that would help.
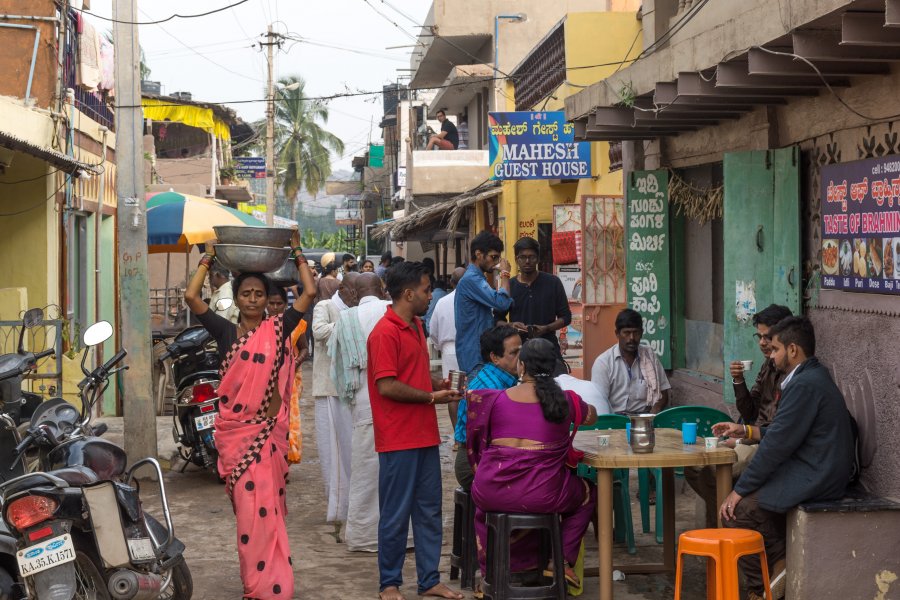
{"x": 78, "y": 475}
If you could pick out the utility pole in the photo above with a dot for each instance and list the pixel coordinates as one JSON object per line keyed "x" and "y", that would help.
{"x": 138, "y": 408}
{"x": 270, "y": 129}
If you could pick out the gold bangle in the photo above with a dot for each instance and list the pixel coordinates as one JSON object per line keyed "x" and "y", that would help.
{"x": 748, "y": 430}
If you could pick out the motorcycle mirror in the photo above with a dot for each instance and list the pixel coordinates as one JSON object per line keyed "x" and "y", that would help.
{"x": 97, "y": 333}
{"x": 33, "y": 317}
{"x": 224, "y": 303}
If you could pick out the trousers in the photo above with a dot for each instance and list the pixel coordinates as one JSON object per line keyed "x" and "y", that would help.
{"x": 773, "y": 527}
{"x": 409, "y": 487}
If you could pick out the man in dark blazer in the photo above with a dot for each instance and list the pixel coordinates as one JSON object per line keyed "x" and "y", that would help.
{"x": 805, "y": 454}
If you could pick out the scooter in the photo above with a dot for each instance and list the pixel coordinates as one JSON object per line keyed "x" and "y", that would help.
{"x": 195, "y": 368}
{"x": 79, "y": 525}
{"x": 16, "y": 403}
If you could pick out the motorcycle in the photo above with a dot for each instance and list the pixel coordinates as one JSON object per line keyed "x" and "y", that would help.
{"x": 17, "y": 404}
{"x": 195, "y": 369}
{"x": 79, "y": 526}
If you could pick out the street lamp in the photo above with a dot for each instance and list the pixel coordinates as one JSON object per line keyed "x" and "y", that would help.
{"x": 516, "y": 18}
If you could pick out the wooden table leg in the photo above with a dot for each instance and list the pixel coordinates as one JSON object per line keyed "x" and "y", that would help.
{"x": 723, "y": 487}
{"x": 668, "y": 494}
{"x": 605, "y": 523}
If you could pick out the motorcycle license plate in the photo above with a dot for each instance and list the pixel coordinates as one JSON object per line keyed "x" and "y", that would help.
{"x": 45, "y": 555}
{"x": 205, "y": 421}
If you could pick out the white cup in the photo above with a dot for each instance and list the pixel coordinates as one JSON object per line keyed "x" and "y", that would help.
{"x": 711, "y": 443}
{"x": 748, "y": 364}
{"x": 603, "y": 441}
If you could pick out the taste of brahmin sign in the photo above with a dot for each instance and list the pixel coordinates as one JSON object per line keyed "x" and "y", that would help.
{"x": 536, "y": 145}
{"x": 861, "y": 225}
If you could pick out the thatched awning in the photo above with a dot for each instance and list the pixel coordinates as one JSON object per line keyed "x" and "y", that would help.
{"x": 445, "y": 214}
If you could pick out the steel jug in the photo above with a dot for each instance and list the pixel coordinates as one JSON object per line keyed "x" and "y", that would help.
{"x": 643, "y": 437}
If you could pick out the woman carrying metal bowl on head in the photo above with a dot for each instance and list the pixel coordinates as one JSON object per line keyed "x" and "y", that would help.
{"x": 253, "y": 424}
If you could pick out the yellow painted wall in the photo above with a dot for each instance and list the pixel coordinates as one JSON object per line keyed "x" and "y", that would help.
{"x": 27, "y": 214}
{"x": 590, "y": 39}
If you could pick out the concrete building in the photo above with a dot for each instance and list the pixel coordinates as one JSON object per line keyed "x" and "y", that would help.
{"x": 773, "y": 124}
{"x": 57, "y": 181}
{"x": 456, "y": 53}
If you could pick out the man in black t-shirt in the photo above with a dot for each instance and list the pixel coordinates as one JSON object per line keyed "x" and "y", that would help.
{"x": 540, "y": 305}
{"x": 448, "y": 138}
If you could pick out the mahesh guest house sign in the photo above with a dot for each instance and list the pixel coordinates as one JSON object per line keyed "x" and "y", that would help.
{"x": 536, "y": 145}
{"x": 861, "y": 225}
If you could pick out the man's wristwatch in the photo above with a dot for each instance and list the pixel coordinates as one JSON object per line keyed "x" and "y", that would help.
{"x": 737, "y": 382}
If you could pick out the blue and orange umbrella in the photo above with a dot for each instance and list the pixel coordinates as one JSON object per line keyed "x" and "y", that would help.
{"x": 175, "y": 222}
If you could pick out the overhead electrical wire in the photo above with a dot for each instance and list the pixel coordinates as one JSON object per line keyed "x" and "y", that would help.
{"x": 158, "y": 21}
{"x": 203, "y": 56}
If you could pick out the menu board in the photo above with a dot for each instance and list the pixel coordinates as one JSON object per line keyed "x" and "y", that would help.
{"x": 861, "y": 225}
{"x": 647, "y": 252}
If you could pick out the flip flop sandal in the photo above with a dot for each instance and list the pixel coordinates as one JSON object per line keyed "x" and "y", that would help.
{"x": 571, "y": 579}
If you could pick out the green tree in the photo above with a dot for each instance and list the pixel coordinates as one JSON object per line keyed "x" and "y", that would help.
{"x": 303, "y": 148}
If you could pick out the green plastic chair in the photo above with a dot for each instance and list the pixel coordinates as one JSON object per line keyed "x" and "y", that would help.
{"x": 623, "y": 528}
{"x": 672, "y": 418}
{"x": 704, "y": 416}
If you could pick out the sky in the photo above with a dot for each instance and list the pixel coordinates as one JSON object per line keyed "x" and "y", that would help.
{"x": 212, "y": 57}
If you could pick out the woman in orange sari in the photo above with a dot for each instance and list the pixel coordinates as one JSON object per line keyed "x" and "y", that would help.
{"x": 252, "y": 427}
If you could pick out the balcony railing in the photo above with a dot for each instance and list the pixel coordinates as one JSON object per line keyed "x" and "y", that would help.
{"x": 92, "y": 104}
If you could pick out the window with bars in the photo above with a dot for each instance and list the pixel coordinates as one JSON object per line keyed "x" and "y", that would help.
{"x": 542, "y": 72}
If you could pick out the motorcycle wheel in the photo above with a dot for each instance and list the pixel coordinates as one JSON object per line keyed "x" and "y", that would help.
{"x": 89, "y": 583}
{"x": 181, "y": 585}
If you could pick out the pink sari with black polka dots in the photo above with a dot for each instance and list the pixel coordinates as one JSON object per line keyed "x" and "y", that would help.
{"x": 253, "y": 456}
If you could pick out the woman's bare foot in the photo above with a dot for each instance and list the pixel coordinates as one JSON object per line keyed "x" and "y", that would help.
{"x": 442, "y": 591}
{"x": 391, "y": 593}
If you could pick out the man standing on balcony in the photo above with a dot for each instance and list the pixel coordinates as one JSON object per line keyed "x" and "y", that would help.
{"x": 448, "y": 138}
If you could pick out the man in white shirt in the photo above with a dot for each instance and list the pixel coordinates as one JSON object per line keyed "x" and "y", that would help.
{"x": 442, "y": 333}
{"x": 586, "y": 389}
{"x": 347, "y": 348}
{"x": 443, "y": 326}
{"x": 629, "y": 376}
{"x": 220, "y": 284}
{"x": 334, "y": 422}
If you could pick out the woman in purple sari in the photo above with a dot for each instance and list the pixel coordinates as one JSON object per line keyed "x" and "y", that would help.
{"x": 518, "y": 440}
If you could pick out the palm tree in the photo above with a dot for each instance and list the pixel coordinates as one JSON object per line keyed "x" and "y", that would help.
{"x": 303, "y": 148}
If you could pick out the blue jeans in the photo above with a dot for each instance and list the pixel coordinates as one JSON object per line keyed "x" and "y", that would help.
{"x": 409, "y": 486}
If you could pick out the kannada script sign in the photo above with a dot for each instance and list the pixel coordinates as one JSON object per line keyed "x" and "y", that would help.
{"x": 536, "y": 145}
{"x": 647, "y": 257}
{"x": 861, "y": 225}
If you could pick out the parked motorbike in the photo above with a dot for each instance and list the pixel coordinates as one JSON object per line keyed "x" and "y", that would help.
{"x": 17, "y": 404}
{"x": 195, "y": 370}
{"x": 79, "y": 526}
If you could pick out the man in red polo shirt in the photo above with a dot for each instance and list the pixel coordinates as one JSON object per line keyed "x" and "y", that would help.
{"x": 403, "y": 395}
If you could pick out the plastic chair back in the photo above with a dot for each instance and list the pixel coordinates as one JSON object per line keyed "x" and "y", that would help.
{"x": 607, "y": 422}
{"x": 704, "y": 416}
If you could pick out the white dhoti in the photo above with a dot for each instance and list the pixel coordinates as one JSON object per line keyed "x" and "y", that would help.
{"x": 362, "y": 517}
{"x": 334, "y": 435}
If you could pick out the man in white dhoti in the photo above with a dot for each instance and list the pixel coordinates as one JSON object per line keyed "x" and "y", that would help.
{"x": 334, "y": 421}
{"x": 347, "y": 348}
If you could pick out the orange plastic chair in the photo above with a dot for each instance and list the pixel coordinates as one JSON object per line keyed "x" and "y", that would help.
{"x": 723, "y": 548}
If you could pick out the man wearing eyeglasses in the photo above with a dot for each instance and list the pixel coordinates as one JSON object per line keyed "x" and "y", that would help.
{"x": 756, "y": 406}
{"x": 540, "y": 306}
{"x": 476, "y": 299}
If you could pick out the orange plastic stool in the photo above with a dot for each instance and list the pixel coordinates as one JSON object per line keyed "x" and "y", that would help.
{"x": 723, "y": 548}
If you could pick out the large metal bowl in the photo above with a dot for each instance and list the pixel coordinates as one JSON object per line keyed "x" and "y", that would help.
{"x": 270, "y": 237}
{"x": 245, "y": 258}
{"x": 286, "y": 275}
